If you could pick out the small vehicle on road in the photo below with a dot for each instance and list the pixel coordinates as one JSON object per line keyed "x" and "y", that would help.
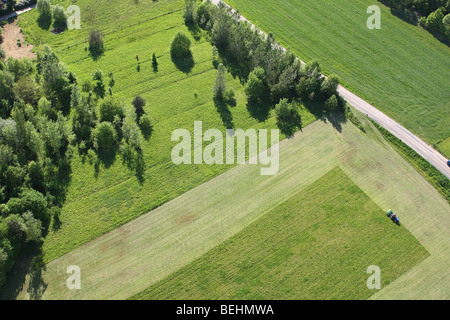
{"x": 448, "y": 163}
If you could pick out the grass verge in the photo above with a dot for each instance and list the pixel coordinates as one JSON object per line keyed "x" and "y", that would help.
{"x": 433, "y": 175}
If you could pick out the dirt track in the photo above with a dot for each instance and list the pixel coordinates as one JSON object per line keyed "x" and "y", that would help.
{"x": 11, "y": 32}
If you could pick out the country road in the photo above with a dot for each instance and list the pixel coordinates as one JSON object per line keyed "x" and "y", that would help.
{"x": 414, "y": 142}
{"x": 16, "y": 13}
{"x": 426, "y": 151}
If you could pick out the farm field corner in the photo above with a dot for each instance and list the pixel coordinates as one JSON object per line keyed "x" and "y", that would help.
{"x": 314, "y": 245}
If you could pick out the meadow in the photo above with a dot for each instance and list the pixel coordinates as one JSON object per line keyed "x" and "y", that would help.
{"x": 401, "y": 69}
{"x": 315, "y": 245}
{"x": 127, "y": 234}
{"x": 98, "y": 202}
{"x": 148, "y": 249}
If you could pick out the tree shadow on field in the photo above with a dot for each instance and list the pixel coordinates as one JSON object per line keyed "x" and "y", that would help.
{"x": 29, "y": 262}
{"x": 134, "y": 160}
{"x": 406, "y": 15}
{"x": 184, "y": 64}
{"x": 234, "y": 67}
{"x": 314, "y": 106}
{"x": 62, "y": 181}
{"x": 107, "y": 157}
{"x": 336, "y": 118}
{"x": 260, "y": 110}
{"x": 147, "y": 133}
{"x": 36, "y": 285}
{"x": 195, "y": 31}
{"x": 288, "y": 128}
{"x": 96, "y": 53}
{"x": 56, "y": 225}
{"x": 224, "y": 112}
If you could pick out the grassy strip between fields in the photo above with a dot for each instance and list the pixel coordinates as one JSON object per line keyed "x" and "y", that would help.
{"x": 350, "y": 115}
{"x": 316, "y": 245}
{"x": 433, "y": 175}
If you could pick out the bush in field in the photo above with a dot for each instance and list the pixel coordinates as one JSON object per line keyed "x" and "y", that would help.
{"x": 98, "y": 77}
{"x": 331, "y": 103}
{"x": 139, "y": 104}
{"x": 288, "y": 117}
{"x": 95, "y": 40}
{"x": 130, "y": 130}
{"x": 220, "y": 86}
{"x": 45, "y": 13}
{"x": 434, "y": 22}
{"x": 111, "y": 110}
{"x": 44, "y": 7}
{"x": 59, "y": 17}
{"x": 104, "y": 136}
{"x": 2, "y": 53}
{"x": 446, "y": 23}
{"x": 181, "y": 46}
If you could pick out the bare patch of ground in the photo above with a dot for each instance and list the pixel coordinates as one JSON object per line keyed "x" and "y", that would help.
{"x": 11, "y": 32}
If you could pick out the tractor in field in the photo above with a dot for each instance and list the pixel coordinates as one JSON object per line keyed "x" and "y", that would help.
{"x": 393, "y": 217}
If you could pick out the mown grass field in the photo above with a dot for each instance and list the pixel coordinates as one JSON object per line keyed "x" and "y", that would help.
{"x": 129, "y": 259}
{"x": 175, "y": 99}
{"x": 401, "y": 69}
{"x": 315, "y": 245}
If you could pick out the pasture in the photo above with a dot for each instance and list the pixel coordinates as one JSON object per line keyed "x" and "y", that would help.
{"x": 98, "y": 202}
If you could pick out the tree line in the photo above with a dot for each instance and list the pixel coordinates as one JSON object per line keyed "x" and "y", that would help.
{"x": 434, "y": 15}
{"x": 270, "y": 73}
{"x": 44, "y": 115}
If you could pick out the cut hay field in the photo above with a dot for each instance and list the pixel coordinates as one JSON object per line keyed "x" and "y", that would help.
{"x": 139, "y": 254}
{"x": 315, "y": 245}
{"x": 175, "y": 99}
{"x": 401, "y": 69}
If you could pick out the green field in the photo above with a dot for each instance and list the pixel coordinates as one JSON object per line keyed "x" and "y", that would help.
{"x": 129, "y": 259}
{"x": 175, "y": 99}
{"x": 444, "y": 147}
{"x": 316, "y": 245}
{"x": 127, "y": 236}
{"x": 401, "y": 69}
